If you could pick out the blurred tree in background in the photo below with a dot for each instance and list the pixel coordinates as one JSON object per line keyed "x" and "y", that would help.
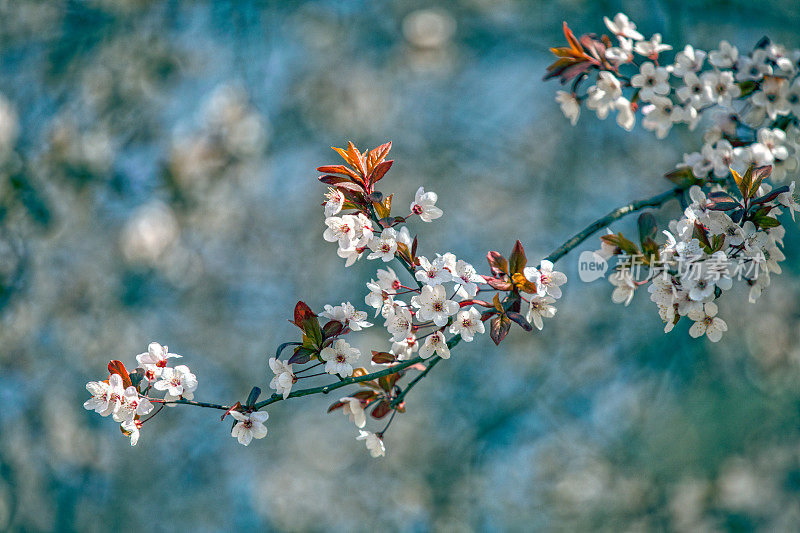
{"x": 157, "y": 183}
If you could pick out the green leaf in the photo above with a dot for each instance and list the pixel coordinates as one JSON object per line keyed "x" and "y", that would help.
{"x": 302, "y": 355}
{"x": 252, "y": 398}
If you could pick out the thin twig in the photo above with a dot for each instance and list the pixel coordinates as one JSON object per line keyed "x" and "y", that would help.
{"x": 616, "y": 214}
{"x": 397, "y": 401}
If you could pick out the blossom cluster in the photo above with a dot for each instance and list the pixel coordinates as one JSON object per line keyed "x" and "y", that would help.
{"x": 719, "y": 239}
{"x": 425, "y": 313}
{"x": 126, "y": 397}
{"x": 729, "y": 228}
{"x": 752, "y": 99}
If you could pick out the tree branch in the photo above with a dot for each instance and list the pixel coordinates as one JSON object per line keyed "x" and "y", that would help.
{"x": 616, "y": 214}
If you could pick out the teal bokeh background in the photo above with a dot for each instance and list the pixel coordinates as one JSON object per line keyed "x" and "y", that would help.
{"x": 157, "y": 183}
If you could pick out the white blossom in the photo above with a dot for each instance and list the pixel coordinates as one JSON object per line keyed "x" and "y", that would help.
{"x": 347, "y": 315}
{"x": 651, "y": 81}
{"x": 626, "y": 118}
{"x": 754, "y": 67}
{"x": 433, "y": 304}
{"x": 154, "y": 360}
{"x": 467, "y": 324}
{"x": 570, "y": 106}
{"x": 432, "y": 272}
{"x": 435, "y": 342}
{"x": 688, "y": 61}
{"x": 334, "y": 201}
{"x": 540, "y": 307}
{"x": 623, "y": 27}
{"x": 284, "y": 377}
{"x": 374, "y": 443}
{"x": 725, "y": 56}
{"x": 651, "y": 48}
{"x": 722, "y": 85}
{"x": 339, "y": 358}
{"x": 178, "y": 382}
{"x": 249, "y": 426}
{"x": 424, "y": 205}
{"x": 385, "y": 246}
{"x": 707, "y": 323}
{"x": 352, "y": 407}
{"x": 340, "y": 229}
{"x": 398, "y": 322}
{"x": 603, "y": 96}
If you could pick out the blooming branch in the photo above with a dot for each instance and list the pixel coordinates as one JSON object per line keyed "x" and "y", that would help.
{"x": 729, "y": 216}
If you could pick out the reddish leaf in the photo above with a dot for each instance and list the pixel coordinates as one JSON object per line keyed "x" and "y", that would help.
{"x": 498, "y": 284}
{"x": 497, "y": 263}
{"x": 499, "y": 328}
{"x": 332, "y": 329}
{"x": 337, "y": 169}
{"x": 364, "y": 395}
{"x": 381, "y": 409}
{"x": 377, "y": 155}
{"x": 517, "y": 261}
{"x": 383, "y": 357}
{"x": 355, "y": 158}
{"x": 379, "y": 172}
{"x": 116, "y": 367}
{"x": 335, "y": 405}
{"x": 771, "y": 195}
{"x": 302, "y": 314}
{"x": 701, "y": 235}
{"x": 387, "y": 382}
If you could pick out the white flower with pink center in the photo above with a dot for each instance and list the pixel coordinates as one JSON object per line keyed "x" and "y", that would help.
{"x": 385, "y": 246}
{"x": 249, "y": 426}
{"x": 131, "y": 405}
{"x": 467, "y": 324}
{"x": 398, "y": 322}
{"x": 432, "y": 272}
{"x": 334, "y": 201}
{"x": 424, "y": 205}
{"x": 154, "y": 360}
{"x": 433, "y": 305}
{"x": 284, "y": 377}
{"x": 340, "y": 229}
{"x": 178, "y": 382}
{"x": 435, "y": 343}
{"x": 347, "y": 315}
{"x": 547, "y": 280}
{"x": 339, "y": 358}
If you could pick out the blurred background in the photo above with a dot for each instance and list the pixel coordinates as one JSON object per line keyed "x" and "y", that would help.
{"x": 157, "y": 183}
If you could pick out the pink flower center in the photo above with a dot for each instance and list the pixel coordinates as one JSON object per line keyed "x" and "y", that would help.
{"x": 417, "y": 209}
{"x": 248, "y": 424}
{"x": 438, "y": 307}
